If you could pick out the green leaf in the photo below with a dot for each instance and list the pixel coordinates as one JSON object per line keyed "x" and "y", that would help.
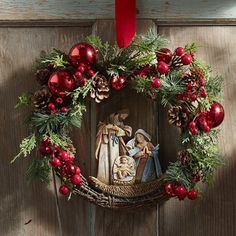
{"x": 24, "y": 100}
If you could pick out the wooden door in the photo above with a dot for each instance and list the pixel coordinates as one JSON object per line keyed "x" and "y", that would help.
{"x": 37, "y": 209}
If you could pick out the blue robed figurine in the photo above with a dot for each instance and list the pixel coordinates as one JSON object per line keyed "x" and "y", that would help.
{"x": 148, "y": 167}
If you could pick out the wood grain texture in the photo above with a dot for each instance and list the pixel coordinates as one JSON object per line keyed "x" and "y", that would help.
{"x": 20, "y": 202}
{"x": 215, "y": 213}
{"x": 104, "y": 9}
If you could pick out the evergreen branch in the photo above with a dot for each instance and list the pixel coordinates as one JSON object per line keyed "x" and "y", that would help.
{"x": 82, "y": 91}
{"x": 39, "y": 169}
{"x": 76, "y": 114}
{"x": 24, "y": 100}
{"x": 191, "y": 48}
{"x": 26, "y": 147}
{"x": 214, "y": 87}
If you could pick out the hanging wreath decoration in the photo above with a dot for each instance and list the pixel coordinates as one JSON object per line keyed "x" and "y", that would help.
{"x": 92, "y": 69}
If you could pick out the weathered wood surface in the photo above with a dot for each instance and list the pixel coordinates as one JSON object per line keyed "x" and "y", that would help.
{"x": 20, "y": 202}
{"x": 215, "y": 214}
{"x": 161, "y": 10}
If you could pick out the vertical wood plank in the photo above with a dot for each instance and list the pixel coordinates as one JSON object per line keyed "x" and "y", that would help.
{"x": 22, "y": 203}
{"x": 215, "y": 214}
{"x": 142, "y": 115}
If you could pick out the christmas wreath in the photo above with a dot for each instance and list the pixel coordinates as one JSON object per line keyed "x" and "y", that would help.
{"x": 92, "y": 70}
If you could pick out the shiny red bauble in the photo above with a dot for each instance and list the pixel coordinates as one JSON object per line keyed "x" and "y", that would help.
{"x": 118, "y": 82}
{"x": 164, "y": 54}
{"x": 64, "y": 156}
{"x": 61, "y": 82}
{"x": 186, "y": 59}
{"x": 181, "y": 192}
{"x": 156, "y": 83}
{"x": 192, "y": 194}
{"x": 55, "y": 162}
{"x": 76, "y": 180}
{"x": 169, "y": 190}
{"x": 64, "y": 190}
{"x": 162, "y": 67}
{"x": 82, "y": 53}
{"x": 179, "y": 51}
{"x": 216, "y": 114}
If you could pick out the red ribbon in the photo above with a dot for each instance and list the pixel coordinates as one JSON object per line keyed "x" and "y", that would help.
{"x": 125, "y": 11}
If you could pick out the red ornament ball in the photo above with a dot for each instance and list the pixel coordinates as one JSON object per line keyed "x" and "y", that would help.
{"x": 76, "y": 180}
{"x": 82, "y": 81}
{"x": 64, "y": 156}
{"x": 181, "y": 192}
{"x": 61, "y": 82}
{"x": 164, "y": 54}
{"x": 169, "y": 190}
{"x": 179, "y": 51}
{"x": 51, "y": 106}
{"x": 194, "y": 131}
{"x": 156, "y": 83}
{"x": 82, "y": 53}
{"x": 162, "y": 67}
{"x": 77, "y": 170}
{"x": 63, "y": 109}
{"x": 118, "y": 82}
{"x": 192, "y": 194}
{"x": 186, "y": 59}
{"x": 216, "y": 114}
{"x": 192, "y": 125}
{"x": 59, "y": 100}
{"x": 64, "y": 190}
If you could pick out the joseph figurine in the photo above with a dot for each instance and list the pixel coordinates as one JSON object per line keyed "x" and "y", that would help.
{"x": 110, "y": 144}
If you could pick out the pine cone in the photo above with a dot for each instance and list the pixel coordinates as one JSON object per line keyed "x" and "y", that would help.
{"x": 100, "y": 88}
{"x": 40, "y": 99}
{"x": 42, "y": 76}
{"x": 183, "y": 157}
{"x": 197, "y": 73}
{"x": 177, "y": 115}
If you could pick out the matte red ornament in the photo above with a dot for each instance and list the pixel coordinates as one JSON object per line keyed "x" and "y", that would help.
{"x": 82, "y": 53}
{"x": 181, "y": 192}
{"x": 216, "y": 114}
{"x": 64, "y": 190}
{"x": 61, "y": 82}
{"x": 192, "y": 194}
{"x": 162, "y": 67}
{"x": 76, "y": 180}
{"x": 118, "y": 82}
{"x": 164, "y": 54}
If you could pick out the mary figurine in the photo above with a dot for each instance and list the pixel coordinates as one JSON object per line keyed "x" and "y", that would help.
{"x": 146, "y": 157}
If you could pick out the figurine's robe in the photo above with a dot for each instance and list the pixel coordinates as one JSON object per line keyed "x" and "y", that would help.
{"x": 109, "y": 146}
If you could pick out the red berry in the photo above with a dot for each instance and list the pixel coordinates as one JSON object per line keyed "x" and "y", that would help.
{"x": 179, "y": 51}
{"x": 164, "y": 54}
{"x": 194, "y": 131}
{"x": 192, "y": 194}
{"x": 45, "y": 150}
{"x": 64, "y": 190}
{"x": 81, "y": 68}
{"x": 71, "y": 169}
{"x": 51, "y": 106}
{"x": 162, "y": 67}
{"x": 78, "y": 74}
{"x": 189, "y": 86}
{"x": 181, "y": 192}
{"x": 193, "y": 97}
{"x": 55, "y": 162}
{"x": 118, "y": 82}
{"x": 59, "y": 100}
{"x": 82, "y": 81}
{"x": 77, "y": 170}
{"x": 46, "y": 142}
{"x": 156, "y": 83}
{"x": 50, "y": 65}
{"x": 169, "y": 190}
{"x": 192, "y": 125}
{"x": 76, "y": 180}
{"x": 203, "y": 92}
{"x": 202, "y": 82}
{"x": 64, "y": 156}
{"x": 64, "y": 109}
{"x": 196, "y": 178}
{"x": 206, "y": 128}
{"x": 90, "y": 73}
{"x": 186, "y": 59}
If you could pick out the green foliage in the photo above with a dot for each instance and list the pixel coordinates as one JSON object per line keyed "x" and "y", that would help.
{"x": 191, "y": 48}
{"x": 56, "y": 58}
{"x": 214, "y": 87}
{"x": 82, "y": 92}
{"x": 26, "y": 147}
{"x": 76, "y": 114}
{"x": 39, "y": 169}
{"x": 24, "y": 100}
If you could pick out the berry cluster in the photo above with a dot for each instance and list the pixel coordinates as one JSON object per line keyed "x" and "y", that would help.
{"x": 179, "y": 191}
{"x": 63, "y": 162}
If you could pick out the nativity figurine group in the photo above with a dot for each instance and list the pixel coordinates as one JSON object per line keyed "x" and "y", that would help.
{"x": 121, "y": 163}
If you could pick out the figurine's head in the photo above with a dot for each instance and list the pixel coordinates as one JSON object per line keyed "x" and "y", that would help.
{"x": 123, "y": 114}
{"x": 124, "y": 160}
{"x": 141, "y": 136}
